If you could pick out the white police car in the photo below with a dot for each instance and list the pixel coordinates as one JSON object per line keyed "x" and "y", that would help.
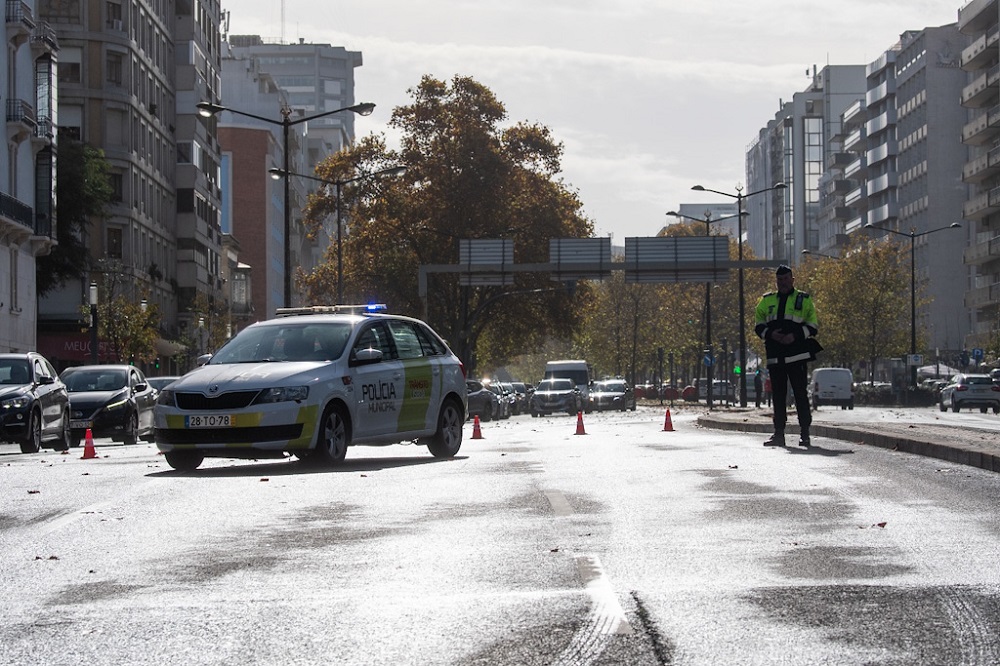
{"x": 312, "y": 382}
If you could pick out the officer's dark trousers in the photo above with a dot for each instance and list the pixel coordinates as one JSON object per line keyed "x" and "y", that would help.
{"x": 795, "y": 374}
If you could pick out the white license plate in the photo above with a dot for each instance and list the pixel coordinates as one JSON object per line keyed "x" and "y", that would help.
{"x": 80, "y": 425}
{"x": 208, "y": 421}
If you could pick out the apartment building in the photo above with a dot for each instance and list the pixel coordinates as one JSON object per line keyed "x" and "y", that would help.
{"x": 130, "y": 73}
{"x": 980, "y": 59}
{"x": 793, "y": 149}
{"x": 27, "y": 199}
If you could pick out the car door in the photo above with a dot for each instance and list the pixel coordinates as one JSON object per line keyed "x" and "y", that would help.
{"x": 145, "y": 399}
{"x": 50, "y": 395}
{"x": 379, "y": 385}
{"x": 419, "y": 378}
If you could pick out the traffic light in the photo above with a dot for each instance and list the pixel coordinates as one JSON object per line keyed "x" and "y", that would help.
{"x": 737, "y": 369}
{"x": 156, "y": 363}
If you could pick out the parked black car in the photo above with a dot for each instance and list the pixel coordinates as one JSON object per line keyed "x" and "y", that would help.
{"x": 34, "y": 407}
{"x": 612, "y": 394}
{"x": 482, "y": 401}
{"x": 112, "y": 401}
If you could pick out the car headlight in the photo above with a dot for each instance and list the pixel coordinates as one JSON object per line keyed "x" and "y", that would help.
{"x": 17, "y": 402}
{"x": 283, "y": 394}
{"x": 117, "y": 404}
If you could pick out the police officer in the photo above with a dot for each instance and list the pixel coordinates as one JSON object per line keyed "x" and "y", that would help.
{"x": 786, "y": 322}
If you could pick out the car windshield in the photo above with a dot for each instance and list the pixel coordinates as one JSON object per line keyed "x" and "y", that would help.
{"x": 610, "y": 387}
{"x": 311, "y": 341}
{"x": 556, "y": 385}
{"x": 14, "y": 372}
{"x": 98, "y": 379}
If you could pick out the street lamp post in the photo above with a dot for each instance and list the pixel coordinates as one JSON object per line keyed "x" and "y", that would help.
{"x": 390, "y": 171}
{"x": 812, "y": 253}
{"x": 739, "y": 196}
{"x": 209, "y": 109}
{"x": 913, "y": 236}
{"x": 93, "y": 323}
{"x": 708, "y": 299}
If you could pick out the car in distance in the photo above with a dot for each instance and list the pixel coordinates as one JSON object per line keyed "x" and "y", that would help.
{"x": 504, "y": 406}
{"x": 970, "y": 390}
{"x": 832, "y": 386}
{"x": 34, "y": 407}
{"x": 556, "y": 395}
{"x": 112, "y": 401}
{"x": 310, "y": 383}
{"x": 482, "y": 401}
{"x": 613, "y": 394}
{"x": 521, "y": 393}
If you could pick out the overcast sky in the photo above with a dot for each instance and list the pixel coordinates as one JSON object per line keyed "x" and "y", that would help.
{"x": 649, "y": 97}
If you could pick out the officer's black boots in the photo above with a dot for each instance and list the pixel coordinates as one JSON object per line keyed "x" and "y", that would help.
{"x": 777, "y": 439}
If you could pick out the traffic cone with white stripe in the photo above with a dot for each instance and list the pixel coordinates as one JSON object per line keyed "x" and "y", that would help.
{"x": 579, "y": 424}
{"x": 668, "y": 426}
{"x": 89, "y": 451}
{"x": 476, "y": 432}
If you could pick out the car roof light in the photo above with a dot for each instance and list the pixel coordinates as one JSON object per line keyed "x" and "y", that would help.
{"x": 368, "y": 308}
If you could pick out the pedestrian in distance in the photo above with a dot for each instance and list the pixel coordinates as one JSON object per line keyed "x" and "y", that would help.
{"x": 758, "y": 387}
{"x": 767, "y": 390}
{"x": 785, "y": 320}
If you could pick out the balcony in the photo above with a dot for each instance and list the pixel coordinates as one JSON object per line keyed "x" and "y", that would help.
{"x": 981, "y": 297}
{"x": 983, "y": 128}
{"x": 16, "y": 218}
{"x": 880, "y": 92}
{"x": 883, "y": 213}
{"x": 20, "y": 22}
{"x": 883, "y": 183}
{"x": 855, "y": 113}
{"x": 44, "y": 39}
{"x": 976, "y": 16}
{"x": 857, "y": 169}
{"x": 982, "y": 52}
{"x": 854, "y": 138}
{"x": 880, "y": 122}
{"x": 883, "y": 152}
{"x": 21, "y": 121}
{"x": 853, "y": 198}
{"x": 979, "y": 93}
{"x": 984, "y": 252}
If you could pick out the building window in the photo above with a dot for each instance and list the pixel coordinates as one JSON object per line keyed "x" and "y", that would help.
{"x": 114, "y": 10}
{"x": 117, "y": 187}
{"x": 70, "y": 62}
{"x": 115, "y": 243}
{"x": 114, "y": 73}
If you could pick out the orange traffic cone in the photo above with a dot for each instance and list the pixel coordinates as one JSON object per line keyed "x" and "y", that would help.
{"x": 88, "y": 448}
{"x": 579, "y": 424}
{"x": 667, "y": 425}
{"x": 476, "y": 432}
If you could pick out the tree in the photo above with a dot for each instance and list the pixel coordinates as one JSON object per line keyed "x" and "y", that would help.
{"x": 128, "y": 330}
{"x": 468, "y": 177}
{"x": 83, "y": 191}
{"x": 863, "y": 301}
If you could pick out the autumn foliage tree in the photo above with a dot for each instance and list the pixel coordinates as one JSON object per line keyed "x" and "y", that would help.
{"x": 469, "y": 175}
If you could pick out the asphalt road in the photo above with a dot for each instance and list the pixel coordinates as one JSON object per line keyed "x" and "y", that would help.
{"x": 629, "y": 544}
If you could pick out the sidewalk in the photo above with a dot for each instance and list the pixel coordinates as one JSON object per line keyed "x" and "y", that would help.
{"x": 975, "y": 447}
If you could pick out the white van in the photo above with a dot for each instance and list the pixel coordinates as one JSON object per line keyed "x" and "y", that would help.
{"x": 579, "y": 371}
{"x": 832, "y": 386}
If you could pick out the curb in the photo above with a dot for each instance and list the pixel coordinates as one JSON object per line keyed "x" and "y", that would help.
{"x": 957, "y": 452}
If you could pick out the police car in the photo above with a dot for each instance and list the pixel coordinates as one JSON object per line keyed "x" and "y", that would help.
{"x": 312, "y": 382}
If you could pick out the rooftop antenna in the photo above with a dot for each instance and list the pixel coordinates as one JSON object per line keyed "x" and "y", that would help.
{"x": 282, "y": 21}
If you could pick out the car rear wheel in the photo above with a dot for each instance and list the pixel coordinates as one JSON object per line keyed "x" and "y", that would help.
{"x": 982, "y": 410}
{"x": 487, "y": 415}
{"x": 954, "y": 406}
{"x": 331, "y": 445}
{"x": 34, "y": 442}
{"x": 184, "y": 461}
{"x": 446, "y": 442}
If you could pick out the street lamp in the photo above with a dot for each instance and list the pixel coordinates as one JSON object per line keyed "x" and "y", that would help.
{"x": 209, "y": 109}
{"x": 390, "y": 171}
{"x": 813, "y": 253}
{"x": 93, "y": 322}
{"x": 913, "y": 236}
{"x": 708, "y": 296}
{"x": 739, "y": 196}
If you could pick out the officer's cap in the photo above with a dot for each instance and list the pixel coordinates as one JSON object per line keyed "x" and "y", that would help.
{"x": 782, "y": 270}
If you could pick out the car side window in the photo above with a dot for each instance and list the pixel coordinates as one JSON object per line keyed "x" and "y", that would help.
{"x": 376, "y": 336}
{"x": 406, "y": 340}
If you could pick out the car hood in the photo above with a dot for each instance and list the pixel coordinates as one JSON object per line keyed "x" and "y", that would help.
{"x": 84, "y": 399}
{"x": 251, "y": 376}
{"x": 9, "y": 391}
{"x": 552, "y": 394}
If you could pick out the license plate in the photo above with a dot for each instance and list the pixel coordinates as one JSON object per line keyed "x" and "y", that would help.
{"x": 208, "y": 421}
{"x": 80, "y": 425}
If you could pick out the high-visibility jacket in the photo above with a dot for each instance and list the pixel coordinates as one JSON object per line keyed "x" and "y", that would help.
{"x": 792, "y": 313}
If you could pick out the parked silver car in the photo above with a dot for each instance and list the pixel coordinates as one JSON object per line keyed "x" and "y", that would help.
{"x": 970, "y": 390}
{"x": 556, "y": 395}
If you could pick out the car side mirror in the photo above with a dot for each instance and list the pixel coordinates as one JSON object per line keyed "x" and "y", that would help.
{"x": 45, "y": 379}
{"x": 366, "y": 357}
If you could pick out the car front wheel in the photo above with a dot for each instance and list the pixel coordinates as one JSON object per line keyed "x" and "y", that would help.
{"x": 331, "y": 445}
{"x": 63, "y": 441}
{"x": 132, "y": 429}
{"x": 184, "y": 461}
{"x": 446, "y": 442}
{"x": 34, "y": 442}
